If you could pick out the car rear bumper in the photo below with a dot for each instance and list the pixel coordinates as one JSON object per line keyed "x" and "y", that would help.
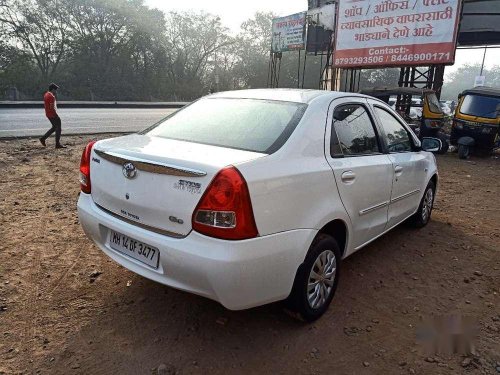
{"x": 238, "y": 274}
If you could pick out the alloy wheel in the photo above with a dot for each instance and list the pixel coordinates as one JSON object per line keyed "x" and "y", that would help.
{"x": 427, "y": 205}
{"x": 321, "y": 279}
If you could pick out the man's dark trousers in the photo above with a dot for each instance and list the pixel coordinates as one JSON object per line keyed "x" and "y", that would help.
{"x": 56, "y": 127}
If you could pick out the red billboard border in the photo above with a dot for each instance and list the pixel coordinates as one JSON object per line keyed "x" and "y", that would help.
{"x": 420, "y": 63}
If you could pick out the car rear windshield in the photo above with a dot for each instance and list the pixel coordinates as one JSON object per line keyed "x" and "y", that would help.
{"x": 480, "y": 106}
{"x": 245, "y": 124}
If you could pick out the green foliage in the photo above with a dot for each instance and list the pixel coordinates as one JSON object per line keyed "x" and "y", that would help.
{"x": 463, "y": 78}
{"x": 114, "y": 50}
{"x": 16, "y": 69}
{"x": 379, "y": 78}
{"x": 124, "y": 50}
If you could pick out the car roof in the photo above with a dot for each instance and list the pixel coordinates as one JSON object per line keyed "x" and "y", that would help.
{"x": 287, "y": 95}
{"x": 490, "y": 91}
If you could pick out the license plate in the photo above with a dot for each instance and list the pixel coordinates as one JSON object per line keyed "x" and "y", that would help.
{"x": 135, "y": 249}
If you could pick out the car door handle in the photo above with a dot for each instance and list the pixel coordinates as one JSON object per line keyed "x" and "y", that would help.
{"x": 348, "y": 177}
{"x": 398, "y": 169}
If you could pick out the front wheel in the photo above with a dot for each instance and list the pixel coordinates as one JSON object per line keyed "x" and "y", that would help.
{"x": 445, "y": 144}
{"x": 423, "y": 214}
{"x": 316, "y": 279}
{"x": 463, "y": 151}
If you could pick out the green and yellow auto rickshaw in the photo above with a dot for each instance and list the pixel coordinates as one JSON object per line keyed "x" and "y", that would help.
{"x": 476, "y": 121}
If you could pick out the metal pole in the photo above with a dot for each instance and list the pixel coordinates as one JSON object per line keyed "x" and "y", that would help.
{"x": 279, "y": 70}
{"x": 298, "y": 72}
{"x": 321, "y": 72}
{"x": 269, "y": 69}
{"x": 484, "y": 56}
{"x": 304, "y": 69}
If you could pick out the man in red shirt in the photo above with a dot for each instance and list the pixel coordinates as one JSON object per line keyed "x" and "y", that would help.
{"x": 50, "y": 104}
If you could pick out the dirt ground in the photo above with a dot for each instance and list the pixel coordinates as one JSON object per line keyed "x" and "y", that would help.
{"x": 66, "y": 308}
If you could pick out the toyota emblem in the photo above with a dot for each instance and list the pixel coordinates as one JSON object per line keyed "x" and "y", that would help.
{"x": 129, "y": 170}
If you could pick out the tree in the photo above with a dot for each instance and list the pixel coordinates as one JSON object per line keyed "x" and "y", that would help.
{"x": 16, "y": 69}
{"x": 254, "y": 44}
{"x": 379, "y": 78}
{"x": 111, "y": 42}
{"x": 192, "y": 39}
{"x": 463, "y": 78}
{"x": 39, "y": 26}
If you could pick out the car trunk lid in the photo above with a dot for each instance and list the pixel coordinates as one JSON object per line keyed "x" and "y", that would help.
{"x": 155, "y": 182}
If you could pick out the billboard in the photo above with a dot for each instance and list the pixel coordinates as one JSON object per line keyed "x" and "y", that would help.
{"x": 289, "y": 33}
{"x": 480, "y": 23}
{"x": 321, "y": 24}
{"x": 396, "y": 32}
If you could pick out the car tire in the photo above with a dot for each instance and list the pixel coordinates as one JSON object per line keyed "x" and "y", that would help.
{"x": 316, "y": 279}
{"x": 463, "y": 151}
{"x": 423, "y": 214}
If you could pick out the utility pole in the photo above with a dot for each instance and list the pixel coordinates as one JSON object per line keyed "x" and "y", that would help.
{"x": 484, "y": 56}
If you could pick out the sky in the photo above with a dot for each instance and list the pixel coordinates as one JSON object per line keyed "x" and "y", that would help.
{"x": 234, "y": 13}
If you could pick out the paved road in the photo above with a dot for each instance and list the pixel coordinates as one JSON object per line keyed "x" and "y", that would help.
{"x": 32, "y": 121}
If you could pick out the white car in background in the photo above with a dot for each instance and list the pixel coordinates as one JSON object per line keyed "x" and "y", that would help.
{"x": 254, "y": 196}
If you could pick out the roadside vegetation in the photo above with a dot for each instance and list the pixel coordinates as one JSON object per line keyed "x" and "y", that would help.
{"x": 124, "y": 50}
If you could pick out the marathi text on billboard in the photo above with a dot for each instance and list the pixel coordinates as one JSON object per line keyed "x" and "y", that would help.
{"x": 396, "y": 32}
{"x": 289, "y": 33}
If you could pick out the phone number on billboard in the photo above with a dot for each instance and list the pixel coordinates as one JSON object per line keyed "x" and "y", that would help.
{"x": 393, "y": 58}
{"x": 359, "y": 60}
{"x": 436, "y": 56}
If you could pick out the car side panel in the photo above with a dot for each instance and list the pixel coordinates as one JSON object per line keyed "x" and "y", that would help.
{"x": 407, "y": 185}
{"x": 366, "y": 197}
{"x": 295, "y": 188}
{"x": 293, "y": 194}
{"x": 413, "y": 170}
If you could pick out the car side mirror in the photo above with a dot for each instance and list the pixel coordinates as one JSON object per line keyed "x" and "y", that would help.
{"x": 431, "y": 144}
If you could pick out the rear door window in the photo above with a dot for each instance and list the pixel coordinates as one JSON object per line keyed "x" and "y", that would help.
{"x": 353, "y": 132}
{"x": 397, "y": 137}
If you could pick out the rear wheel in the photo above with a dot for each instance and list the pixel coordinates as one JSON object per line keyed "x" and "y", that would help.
{"x": 463, "y": 151}
{"x": 316, "y": 279}
{"x": 423, "y": 215}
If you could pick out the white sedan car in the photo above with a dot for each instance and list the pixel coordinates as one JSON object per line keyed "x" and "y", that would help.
{"x": 249, "y": 197}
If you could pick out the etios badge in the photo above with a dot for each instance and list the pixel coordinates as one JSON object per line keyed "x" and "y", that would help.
{"x": 129, "y": 170}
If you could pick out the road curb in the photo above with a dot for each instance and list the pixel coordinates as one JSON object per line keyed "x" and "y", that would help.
{"x": 82, "y": 104}
{"x": 13, "y": 138}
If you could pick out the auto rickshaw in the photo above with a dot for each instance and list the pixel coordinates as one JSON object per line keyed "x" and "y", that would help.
{"x": 476, "y": 121}
{"x": 419, "y": 107}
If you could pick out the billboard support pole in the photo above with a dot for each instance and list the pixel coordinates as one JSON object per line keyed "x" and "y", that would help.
{"x": 269, "y": 70}
{"x": 298, "y": 72}
{"x": 430, "y": 77}
{"x": 274, "y": 69}
{"x": 304, "y": 68}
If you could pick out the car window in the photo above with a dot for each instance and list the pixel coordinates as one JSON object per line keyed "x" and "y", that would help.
{"x": 245, "y": 124}
{"x": 398, "y": 139}
{"x": 353, "y": 132}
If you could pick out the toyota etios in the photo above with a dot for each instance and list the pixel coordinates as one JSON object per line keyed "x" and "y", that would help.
{"x": 254, "y": 196}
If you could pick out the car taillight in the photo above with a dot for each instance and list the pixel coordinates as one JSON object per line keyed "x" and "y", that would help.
{"x": 225, "y": 209}
{"x": 85, "y": 168}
